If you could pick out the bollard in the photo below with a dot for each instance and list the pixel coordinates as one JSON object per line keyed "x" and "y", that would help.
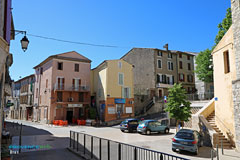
{"x": 135, "y": 153}
{"x": 20, "y": 139}
{"x": 84, "y": 143}
{"x": 70, "y": 139}
{"x": 119, "y": 151}
{"x": 100, "y": 149}
{"x": 77, "y": 141}
{"x": 217, "y": 153}
{"x": 73, "y": 140}
{"x": 222, "y": 147}
{"x": 108, "y": 149}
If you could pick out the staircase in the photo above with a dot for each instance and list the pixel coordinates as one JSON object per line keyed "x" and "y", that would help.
{"x": 221, "y": 138}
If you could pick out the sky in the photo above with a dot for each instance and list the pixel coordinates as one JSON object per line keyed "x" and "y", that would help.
{"x": 186, "y": 25}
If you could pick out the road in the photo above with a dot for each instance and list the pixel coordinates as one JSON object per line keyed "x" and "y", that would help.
{"x": 158, "y": 142}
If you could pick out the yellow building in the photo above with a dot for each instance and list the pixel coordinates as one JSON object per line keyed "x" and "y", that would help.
{"x": 224, "y": 75}
{"x": 112, "y": 89}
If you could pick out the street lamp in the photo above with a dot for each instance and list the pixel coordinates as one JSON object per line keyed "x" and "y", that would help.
{"x": 24, "y": 41}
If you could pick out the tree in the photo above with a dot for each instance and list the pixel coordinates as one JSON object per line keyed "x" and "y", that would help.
{"x": 204, "y": 69}
{"x": 224, "y": 26}
{"x": 177, "y": 105}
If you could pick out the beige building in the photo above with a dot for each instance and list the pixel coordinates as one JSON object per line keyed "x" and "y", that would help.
{"x": 112, "y": 89}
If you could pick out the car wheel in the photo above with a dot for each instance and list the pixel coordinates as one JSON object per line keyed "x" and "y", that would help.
{"x": 174, "y": 150}
{"x": 122, "y": 130}
{"x": 166, "y": 131}
{"x": 148, "y": 132}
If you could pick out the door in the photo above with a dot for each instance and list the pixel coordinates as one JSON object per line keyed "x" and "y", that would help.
{"x": 69, "y": 116}
{"x": 160, "y": 93}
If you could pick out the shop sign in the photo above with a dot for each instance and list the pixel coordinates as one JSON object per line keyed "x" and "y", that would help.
{"x": 128, "y": 109}
{"x": 111, "y": 110}
{"x": 75, "y": 105}
{"x": 120, "y": 100}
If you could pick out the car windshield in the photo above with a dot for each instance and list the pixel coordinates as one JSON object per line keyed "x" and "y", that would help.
{"x": 141, "y": 123}
{"x": 124, "y": 122}
{"x": 185, "y": 135}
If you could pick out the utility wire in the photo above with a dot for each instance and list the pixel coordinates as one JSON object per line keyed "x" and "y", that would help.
{"x": 81, "y": 43}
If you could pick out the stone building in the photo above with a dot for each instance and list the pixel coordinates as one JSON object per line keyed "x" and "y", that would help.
{"x": 235, "y": 6}
{"x": 155, "y": 71}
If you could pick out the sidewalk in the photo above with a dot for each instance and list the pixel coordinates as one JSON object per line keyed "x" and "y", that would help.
{"x": 50, "y": 147}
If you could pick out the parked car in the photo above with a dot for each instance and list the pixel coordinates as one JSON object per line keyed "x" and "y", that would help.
{"x": 149, "y": 126}
{"x": 187, "y": 140}
{"x": 129, "y": 125}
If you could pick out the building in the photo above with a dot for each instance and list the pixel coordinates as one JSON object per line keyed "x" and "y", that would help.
{"x": 14, "y": 110}
{"x": 62, "y": 88}
{"x": 6, "y": 26}
{"x": 155, "y": 71}
{"x": 204, "y": 90}
{"x": 112, "y": 89}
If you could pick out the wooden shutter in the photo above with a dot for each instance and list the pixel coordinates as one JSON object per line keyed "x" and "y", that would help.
{"x": 73, "y": 83}
{"x": 183, "y": 77}
{"x": 158, "y": 78}
{"x": 79, "y": 82}
{"x": 172, "y": 79}
{"x": 63, "y": 83}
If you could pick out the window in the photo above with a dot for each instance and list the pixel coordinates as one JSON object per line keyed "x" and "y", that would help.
{"x": 120, "y": 78}
{"x": 189, "y": 66}
{"x": 45, "y": 113}
{"x": 159, "y": 63}
{"x": 80, "y": 97}
{"x": 159, "y": 53}
{"x": 170, "y": 65}
{"x": 126, "y": 92}
{"x": 190, "y": 78}
{"x": 119, "y": 64}
{"x": 60, "y": 66}
{"x": 41, "y": 70}
{"x": 59, "y": 96}
{"x": 169, "y": 55}
{"x": 76, "y": 67}
{"x": 37, "y": 93}
{"x": 76, "y": 84}
{"x": 170, "y": 79}
{"x": 159, "y": 78}
{"x": 180, "y": 55}
{"x": 180, "y": 65}
{"x": 181, "y": 77}
{"x": 188, "y": 57}
{"x": 226, "y": 62}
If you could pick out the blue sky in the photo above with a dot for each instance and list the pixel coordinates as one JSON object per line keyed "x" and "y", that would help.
{"x": 185, "y": 25}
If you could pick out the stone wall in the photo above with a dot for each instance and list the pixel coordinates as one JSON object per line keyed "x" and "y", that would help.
{"x": 235, "y": 6}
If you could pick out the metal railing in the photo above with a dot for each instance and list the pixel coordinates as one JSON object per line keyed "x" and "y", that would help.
{"x": 200, "y": 96}
{"x": 93, "y": 147}
{"x": 71, "y": 88}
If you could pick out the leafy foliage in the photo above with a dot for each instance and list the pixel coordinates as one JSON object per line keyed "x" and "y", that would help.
{"x": 177, "y": 105}
{"x": 204, "y": 67}
{"x": 224, "y": 26}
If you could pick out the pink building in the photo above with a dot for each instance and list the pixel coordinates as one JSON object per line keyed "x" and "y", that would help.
{"x": 62, "y": 88}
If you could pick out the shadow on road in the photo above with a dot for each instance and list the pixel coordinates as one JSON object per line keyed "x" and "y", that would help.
{"x": 14, "y": 129}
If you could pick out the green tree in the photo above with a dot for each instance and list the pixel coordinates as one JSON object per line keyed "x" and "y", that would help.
{"x": 177, "y": 105}
{"x": 224, "y": 26}
{"x": 204, "y": 69}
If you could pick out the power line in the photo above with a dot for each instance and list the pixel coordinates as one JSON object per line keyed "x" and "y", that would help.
{"x": 73, "y": 42}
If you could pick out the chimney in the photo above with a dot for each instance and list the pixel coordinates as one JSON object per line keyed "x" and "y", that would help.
{"x": 166, "y": 46}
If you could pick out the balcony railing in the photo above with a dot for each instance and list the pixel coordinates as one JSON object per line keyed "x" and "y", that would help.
{"x": 71, "y": 88}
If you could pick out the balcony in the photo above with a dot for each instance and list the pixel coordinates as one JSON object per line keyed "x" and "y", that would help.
{"x": 163, "y": 85}
{"x": 63, "y": 87}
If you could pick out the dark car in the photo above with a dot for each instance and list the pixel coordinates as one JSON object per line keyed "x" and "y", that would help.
{"x": 129, "y": 125}
{"x": 187, "y": 140}
{"x": 148, "y": 126}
